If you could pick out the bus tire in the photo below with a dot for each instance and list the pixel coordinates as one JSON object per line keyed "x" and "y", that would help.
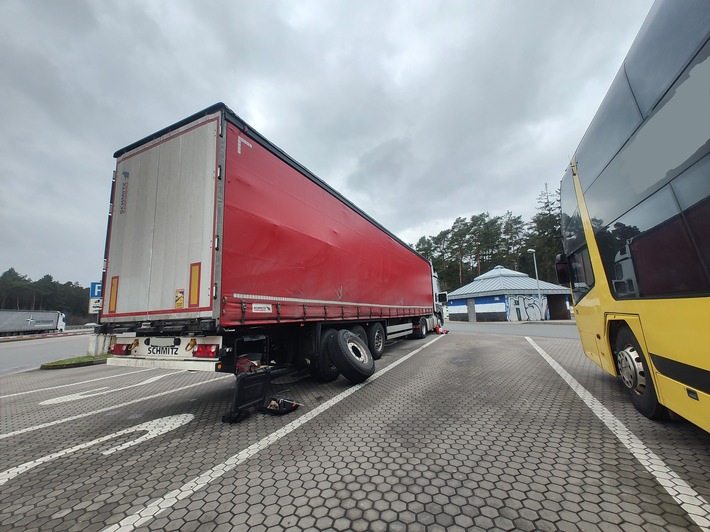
{"x": 324, "y": 370}
{"x": 352, "y": 356}
{"x": 376, "y": 340}
{"x": 634, "y": 372}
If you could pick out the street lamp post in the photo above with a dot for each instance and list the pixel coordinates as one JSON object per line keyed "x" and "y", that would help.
{"x": 537, "y": 279}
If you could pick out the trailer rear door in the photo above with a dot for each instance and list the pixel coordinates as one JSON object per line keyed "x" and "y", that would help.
{"x": 160, "y": 252}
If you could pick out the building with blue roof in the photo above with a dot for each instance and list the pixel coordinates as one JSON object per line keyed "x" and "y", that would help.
{"x": 506, "y": 295}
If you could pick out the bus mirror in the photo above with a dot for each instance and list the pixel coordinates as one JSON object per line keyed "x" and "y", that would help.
{"x": 562, "y": 271}
{"x": 442, "y": 297}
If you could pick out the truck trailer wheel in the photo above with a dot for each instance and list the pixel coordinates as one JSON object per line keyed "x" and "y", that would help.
{"x": 324, "y": 370}
{"x": 359, "y": 331}
{"x": 422, "y": 331}
{"x": 351, "y": 355}
{"x": 634, "y": 373}
{"x": 376, "y": 340}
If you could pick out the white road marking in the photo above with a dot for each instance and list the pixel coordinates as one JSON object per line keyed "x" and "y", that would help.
{"x": 107, "y": 409}
{"x": 74, "y": 383}
{"x": 142, "y": 516}
{"x": 153, "y": 429}
{"x": 692, "y": 502}
{"x": 97, "y": 391}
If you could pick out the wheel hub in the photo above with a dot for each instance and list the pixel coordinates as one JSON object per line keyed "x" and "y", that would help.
{"x": 631, "y": 370}
{"x": 357, "y": 352}
{"x": 379, "y": 341}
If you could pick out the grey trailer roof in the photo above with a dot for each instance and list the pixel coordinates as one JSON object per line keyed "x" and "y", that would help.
{"x": 502, "y": 281}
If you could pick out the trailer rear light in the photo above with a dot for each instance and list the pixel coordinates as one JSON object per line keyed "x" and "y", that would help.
{"x": 205, "y": 351}
{"x": 119, "y": 349}
{"x": 124, "y": 349}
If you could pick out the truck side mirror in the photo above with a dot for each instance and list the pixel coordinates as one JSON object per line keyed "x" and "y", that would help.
{"x": 563, "y": 276}
{"x": 442, "y": 297}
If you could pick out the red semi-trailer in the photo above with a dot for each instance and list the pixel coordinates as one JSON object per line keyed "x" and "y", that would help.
{"x": 225, "y": 254}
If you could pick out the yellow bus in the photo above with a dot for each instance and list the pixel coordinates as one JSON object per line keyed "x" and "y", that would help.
{"x": 636, "y": 219}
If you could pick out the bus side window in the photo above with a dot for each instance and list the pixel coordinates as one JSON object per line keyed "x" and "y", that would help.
{"x": 562, "y": 270}
{"x": 580, "y": 268}
{"x": 655, "y": 255}
{"x": 624, "y": 282}
{"x": 692, "y": 188}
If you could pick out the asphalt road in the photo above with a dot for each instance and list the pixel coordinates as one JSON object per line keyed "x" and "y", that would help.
{"x": 464, "y": 431}
{"x": 542, "y": 329}
{"x": 28, "y": 354}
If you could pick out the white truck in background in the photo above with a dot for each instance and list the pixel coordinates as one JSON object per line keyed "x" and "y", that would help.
{"x": 15, "y": 322}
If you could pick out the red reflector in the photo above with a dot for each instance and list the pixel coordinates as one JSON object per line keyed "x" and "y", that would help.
{"x": 205, "y": 351}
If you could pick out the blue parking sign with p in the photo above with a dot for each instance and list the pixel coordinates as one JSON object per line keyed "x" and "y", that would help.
{"x": 95, "y": 290}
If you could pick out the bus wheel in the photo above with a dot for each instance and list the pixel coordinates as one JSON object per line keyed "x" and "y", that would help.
{"x": 634, "y": 373}
{"x": 376, "y": 340}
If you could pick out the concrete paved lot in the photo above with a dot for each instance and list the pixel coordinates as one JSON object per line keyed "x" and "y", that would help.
{"x": 470, "y": 432}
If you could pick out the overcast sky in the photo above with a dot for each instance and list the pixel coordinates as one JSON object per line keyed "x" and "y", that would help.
{"x": 418, "y": 111}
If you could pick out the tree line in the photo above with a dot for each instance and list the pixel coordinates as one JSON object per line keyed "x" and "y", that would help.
{"x": 19, "y": 292}
{"x": 475, "y": 245}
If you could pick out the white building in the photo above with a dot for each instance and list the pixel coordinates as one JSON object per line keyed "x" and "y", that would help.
{"x": 507, "y": 295}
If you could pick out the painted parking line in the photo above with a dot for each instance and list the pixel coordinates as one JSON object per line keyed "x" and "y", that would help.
{"x": 103, "y": 391}
{"x": 108, "y": 408}
{"x": 152, "y": 430}
{"x": 152, "y": 510}
{"x": 692, "y": 502}
{"x": 74, "y": 383}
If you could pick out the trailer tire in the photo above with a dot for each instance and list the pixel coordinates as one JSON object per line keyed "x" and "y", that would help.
{"x": 324, "y": 370}
{"x": 422, "y": 331}
{"x": 634, "y": 372}
{"x": 376, "y": 340}
{"x": 352, "y": 356}
{"x": 359, "y": 331}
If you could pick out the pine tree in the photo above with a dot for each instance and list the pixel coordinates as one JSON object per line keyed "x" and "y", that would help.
{"x": 544, "y": 236}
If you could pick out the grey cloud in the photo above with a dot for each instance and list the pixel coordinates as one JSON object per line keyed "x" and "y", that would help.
{"x": 418, "y": 111}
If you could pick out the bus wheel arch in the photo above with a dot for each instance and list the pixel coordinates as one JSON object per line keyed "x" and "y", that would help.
{"x": 632, "y": 366}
